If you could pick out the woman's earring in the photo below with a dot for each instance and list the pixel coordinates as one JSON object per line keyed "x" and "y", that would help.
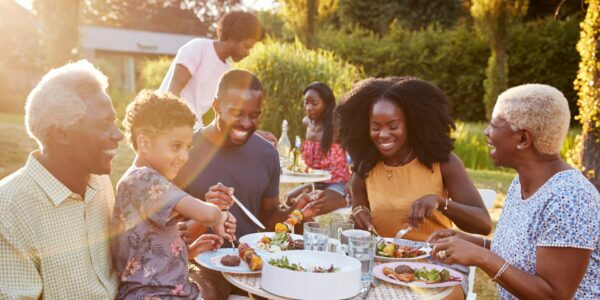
{"x": 520, "y": 147}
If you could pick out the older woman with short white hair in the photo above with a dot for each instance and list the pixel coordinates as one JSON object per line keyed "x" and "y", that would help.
{"x": 547, "y": 242}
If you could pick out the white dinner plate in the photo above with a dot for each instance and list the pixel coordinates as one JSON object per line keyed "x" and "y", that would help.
{"x": 314, "y": 174}
{"x": 378, "y": 272}
{"x": 253, "y": 239}
{"x": 212, "y": 260}
{"x": 408, "y": 243}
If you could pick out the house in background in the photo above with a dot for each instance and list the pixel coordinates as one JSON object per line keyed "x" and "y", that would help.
{"x": 123, "y": 50}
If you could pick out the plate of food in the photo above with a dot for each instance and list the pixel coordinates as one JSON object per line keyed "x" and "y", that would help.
{"x": 405, "y": 250}
{"x": 415, "y": 274}
{"x": 312, "y": 173}
{"x": 273, "y": 241}
{"x": 241, "y": 261}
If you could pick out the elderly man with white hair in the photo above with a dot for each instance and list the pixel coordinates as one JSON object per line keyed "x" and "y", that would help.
{"x": 547, "y": 242}
{"x": 55, "y": 211}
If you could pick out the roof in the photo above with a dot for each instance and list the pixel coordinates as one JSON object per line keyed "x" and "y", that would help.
{"x": 132, "y": 41}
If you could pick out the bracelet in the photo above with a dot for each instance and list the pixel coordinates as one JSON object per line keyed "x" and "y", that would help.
{"x": 359, "y": 208}
{"x": 501, "y": 271}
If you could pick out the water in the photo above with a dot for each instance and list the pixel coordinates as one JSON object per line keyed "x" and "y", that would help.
{"x": 366, "y": 270}
{"x": 315, "y": 241}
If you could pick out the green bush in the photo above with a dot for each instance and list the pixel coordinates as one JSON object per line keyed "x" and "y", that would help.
{"x": 470, "y": 144}
{"x": 454, "y": 59}
{"x": 153, "y": 71}
{"x": 285, "y": 70}
{"x": 544, "y": 52}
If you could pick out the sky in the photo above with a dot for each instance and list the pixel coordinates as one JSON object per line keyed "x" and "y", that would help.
{"x": 254, "y": 4}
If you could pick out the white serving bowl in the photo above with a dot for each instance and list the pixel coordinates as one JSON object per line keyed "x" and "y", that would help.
{"x": 342, "y": 284}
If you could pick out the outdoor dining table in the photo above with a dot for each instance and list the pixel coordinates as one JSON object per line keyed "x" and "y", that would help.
{"x": 382, "y": 290}
{"x": 289, "y": 181}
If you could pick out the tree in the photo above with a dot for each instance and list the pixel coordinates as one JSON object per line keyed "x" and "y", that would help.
{"x": 376, "y": 15}
{"x": 303, "y": 17}
{"x": 493, "y": 19}
{"x": 173, "y": 16}
{"x": 59, "y": 20}
{"x": 588, "y": 90}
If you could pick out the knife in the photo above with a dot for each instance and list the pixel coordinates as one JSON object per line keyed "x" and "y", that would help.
{"x": 247, "y": 212}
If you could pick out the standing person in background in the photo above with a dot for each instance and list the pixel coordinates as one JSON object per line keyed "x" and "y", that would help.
{"x": 200, "y": 63}
{"x": 321, "y": 149}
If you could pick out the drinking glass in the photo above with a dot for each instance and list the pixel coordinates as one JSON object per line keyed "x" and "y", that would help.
{"x": 316, "y": 236}
{"x": 361, "y": 245}
{"x": 335, "y": 232}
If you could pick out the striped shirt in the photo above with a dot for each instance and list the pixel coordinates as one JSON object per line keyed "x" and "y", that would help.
{"x": 54, "y": 243}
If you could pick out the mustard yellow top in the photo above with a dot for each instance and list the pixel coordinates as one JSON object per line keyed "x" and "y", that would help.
{"x": 392, "y": 190}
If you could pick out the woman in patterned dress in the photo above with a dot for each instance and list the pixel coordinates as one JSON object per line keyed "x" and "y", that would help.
{"x": 321, "y": 150}
{"x": 547, "y": 242}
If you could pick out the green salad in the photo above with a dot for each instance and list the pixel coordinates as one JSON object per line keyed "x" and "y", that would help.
{"x": 284, "y": 263}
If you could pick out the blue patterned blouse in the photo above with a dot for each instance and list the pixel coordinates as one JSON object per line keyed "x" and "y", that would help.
{"x": 564, "y": 212}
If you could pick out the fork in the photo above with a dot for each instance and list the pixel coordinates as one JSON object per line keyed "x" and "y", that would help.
{"x": 401, "y": 233}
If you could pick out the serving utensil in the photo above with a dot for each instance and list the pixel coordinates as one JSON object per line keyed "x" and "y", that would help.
{"x": 247, "y": 212}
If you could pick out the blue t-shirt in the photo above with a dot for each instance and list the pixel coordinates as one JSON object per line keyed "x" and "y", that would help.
{"x": 561, "y": 213}
{"x": 252, "y": 169}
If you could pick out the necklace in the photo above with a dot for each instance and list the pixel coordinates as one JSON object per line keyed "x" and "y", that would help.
{"x": 404, "y": 161}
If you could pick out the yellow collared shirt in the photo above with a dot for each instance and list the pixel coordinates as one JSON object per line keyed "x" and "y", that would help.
{"x": 53, "y": 243}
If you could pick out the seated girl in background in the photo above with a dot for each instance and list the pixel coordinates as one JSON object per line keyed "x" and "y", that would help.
{"x": 149, "y": 255}
{"x": 320, "y": 149}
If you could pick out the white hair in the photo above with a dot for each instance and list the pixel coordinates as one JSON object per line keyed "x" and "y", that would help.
{"x": 541, "y": 109}
{"x": 59, "y": 99}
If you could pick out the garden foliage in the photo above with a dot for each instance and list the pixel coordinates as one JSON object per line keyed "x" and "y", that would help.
{"x": 455, "y": 59}
{"x": 285, "y": 70}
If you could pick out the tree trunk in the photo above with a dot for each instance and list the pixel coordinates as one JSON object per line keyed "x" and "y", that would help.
{"x": 590, "y": 156}
{"x": 311, "y": 13}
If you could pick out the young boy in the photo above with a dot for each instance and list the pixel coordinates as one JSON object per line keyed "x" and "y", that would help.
{"x": 148, "y": 252}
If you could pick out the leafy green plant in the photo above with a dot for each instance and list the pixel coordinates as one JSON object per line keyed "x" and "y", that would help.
{"x": 153, "y": 71}
{"x": 285, "y": 70}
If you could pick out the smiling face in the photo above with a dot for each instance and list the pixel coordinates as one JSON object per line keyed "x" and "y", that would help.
{"x": 502, "y": 141}
{"x": 94, "y": 140}
{"x": 388, "y": 130}
{"x": 242, "y": 48}
{"x": 237, "y": 114}
{"x": 313, "y": 104}
{"x": 168, "y": 151}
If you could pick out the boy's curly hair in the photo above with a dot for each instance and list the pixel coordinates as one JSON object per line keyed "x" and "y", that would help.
{"x": 239, "y": 26}
{"x": 153, "y": 113}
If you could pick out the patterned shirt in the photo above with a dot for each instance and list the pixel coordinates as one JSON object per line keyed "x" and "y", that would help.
{"x": 53, "y": 243}
{"x": 334, "y": 162}
{"x": 150, "y": 257}
{"x": 562, "y": 213}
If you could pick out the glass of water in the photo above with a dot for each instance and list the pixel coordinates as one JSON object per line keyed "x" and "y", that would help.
{"x": 316, "y": 236}
{"x": 361, "y": 245}
{"x": 335, "y": 232}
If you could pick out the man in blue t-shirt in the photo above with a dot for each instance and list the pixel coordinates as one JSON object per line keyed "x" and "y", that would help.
{"x": 228, "y": 152}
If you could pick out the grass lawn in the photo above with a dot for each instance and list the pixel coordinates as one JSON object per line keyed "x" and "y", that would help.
{"x": 15, "y": 146}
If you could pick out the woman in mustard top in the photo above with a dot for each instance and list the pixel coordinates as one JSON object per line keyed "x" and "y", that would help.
{"x": 396, "y": 131}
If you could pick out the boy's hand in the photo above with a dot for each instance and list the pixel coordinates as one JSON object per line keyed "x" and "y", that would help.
{"x": 224, "y": 228}
{"x": 204, "y": 243}
{"x": 220, "y": 196}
